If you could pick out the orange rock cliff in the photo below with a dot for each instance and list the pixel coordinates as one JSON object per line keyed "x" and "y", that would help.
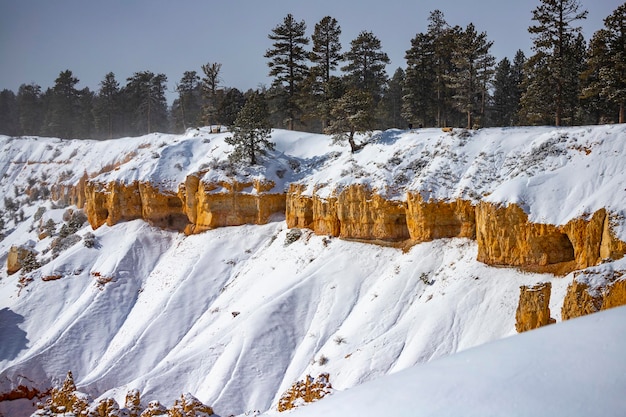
{"x": 504, "y": 235}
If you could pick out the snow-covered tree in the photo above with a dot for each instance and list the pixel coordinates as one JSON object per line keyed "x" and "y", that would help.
{"x": 251, "y": 131}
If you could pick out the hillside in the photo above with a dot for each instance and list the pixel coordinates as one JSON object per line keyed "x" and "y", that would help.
{"x": 321, "y": 261}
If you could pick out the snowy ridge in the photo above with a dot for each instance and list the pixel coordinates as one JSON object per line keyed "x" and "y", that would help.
{"x": 238, "y": 314}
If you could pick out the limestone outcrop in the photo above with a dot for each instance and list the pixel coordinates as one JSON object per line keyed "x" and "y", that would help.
{"x": 430, "y": 220}
{"x": 306, "y": 391}
{"x": 228, "y": 203}
{"x": 590, "y": 292}
{"x": 504, "y": 234}
{"x": 505, "y": 237}
{"x": 21, "y": 257}
{"x": 533, "y": 309}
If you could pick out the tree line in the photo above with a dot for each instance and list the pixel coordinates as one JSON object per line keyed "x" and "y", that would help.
{"x": 450, "y": 79}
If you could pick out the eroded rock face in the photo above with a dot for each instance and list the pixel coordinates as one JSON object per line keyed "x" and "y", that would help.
{"x": 21, "y": 257}
{"x": 608, "y": 291}
{"x": 533, "y": 309}
{"x": 432, "y": 220}
{"x": 306, "y": 391}
{"x": 506, "y": 237}
{"x": 211, "y": 205}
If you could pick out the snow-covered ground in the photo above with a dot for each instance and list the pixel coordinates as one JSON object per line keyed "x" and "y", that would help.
{"x": 238, "y": 314}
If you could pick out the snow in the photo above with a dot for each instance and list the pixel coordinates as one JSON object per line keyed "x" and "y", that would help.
{"x": 236, "y": 315}
{"x": 554, "y": 371}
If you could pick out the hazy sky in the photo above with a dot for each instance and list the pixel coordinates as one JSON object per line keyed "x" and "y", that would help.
{"x": 41, "y": 38}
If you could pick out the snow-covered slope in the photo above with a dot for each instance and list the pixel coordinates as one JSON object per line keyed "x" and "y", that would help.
{"x": 238, "y": 314}
{"x": 573, "y": 369}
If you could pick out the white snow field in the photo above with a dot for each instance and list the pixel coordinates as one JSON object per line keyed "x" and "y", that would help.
{"x": 236, "y": 315}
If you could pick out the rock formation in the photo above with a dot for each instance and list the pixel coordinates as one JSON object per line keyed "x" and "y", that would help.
{"x": 504, "y": 235}
{"x": 21, "y": 257}
{"x": 533, "y": 309}
{"x": 592, "y": 291}
{"x": 306, "y": 391}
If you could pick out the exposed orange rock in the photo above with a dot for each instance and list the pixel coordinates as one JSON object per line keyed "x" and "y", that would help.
{"x": 431, "y": 220}
{"x": 188, "y": 405}
{"x": 299, "y": 208}
{"x": 581, "y": 299}
{"x": 70, "y": 194}
{"x": 364, "y": 214}
{"x": 506, "y": 237}
{"x": 306, "y": 391}
{"x": 228, "y": 203}
{"x": 533, "y": 308}
{"x": 161, "y": 207}
{"x": 20, "y": 257}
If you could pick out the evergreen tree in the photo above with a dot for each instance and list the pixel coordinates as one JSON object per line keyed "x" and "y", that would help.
{"x": 85, "y": 119}
{"x": 63, "y": 112}
{"x": 552, "y": 33}
{"x": 106, "y": 108}
{"x": 596, "y": 89}
{"x": 606, "y": 67}
{"x": 186, "y": 109}
{"x": 473, "y": 68}
{"x": 288, "y": 63}
{"x": 365, "y": 68}
{"x": 350, "y": 114}
{"x": 418, "y": 100}
{"x": 9, "y": 119}
{"x": 503, "y": 86}
{"x": 251, "y": 132}
{"x": 537, "y": 104}
{"x": 391, "y": 103}
{"x": 145, "y": 97}
{"x": 210, "y": 101}
{"x": 30, "y": 109}
{"x": 230, "y": 106}
{"x": 325, "y": 57}
{"x": 444, "y": 39}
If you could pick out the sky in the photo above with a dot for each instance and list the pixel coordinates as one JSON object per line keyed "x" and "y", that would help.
{"x": 41, "y": 38}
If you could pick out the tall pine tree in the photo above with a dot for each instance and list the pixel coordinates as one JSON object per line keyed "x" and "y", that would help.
{"x": 288, "y": 63}
{"x": 553, "y": 33}
{"x": 365, "y": 65}
{"x": 107, "y": 108}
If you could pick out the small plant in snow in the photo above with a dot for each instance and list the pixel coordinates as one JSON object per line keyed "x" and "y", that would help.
{"x": 89, "y": 240}
{"x": 292, "y": 236}
{"x": 322, "y": 360}
{"x": 40, "y": 211}
{"x": 339, "y": 340}
{"x": 425, "y": 279}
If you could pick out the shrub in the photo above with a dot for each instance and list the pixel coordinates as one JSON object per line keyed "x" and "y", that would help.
{"x": 292, "y": 236}
{"x": 89, "y": 240}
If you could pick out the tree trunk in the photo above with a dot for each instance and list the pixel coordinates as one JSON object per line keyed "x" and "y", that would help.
{"x": 622, "y": 113}
{"x": 353, "y": 145}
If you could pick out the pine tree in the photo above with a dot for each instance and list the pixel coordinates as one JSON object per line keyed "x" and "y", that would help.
{"x": 230, "y": 106}
{"x": 552, "y": 32}
{"x": 210, "y": 101}
{"x": 145, "y": 97}
{"x": 325, "y": 57}
{"x": 9, "y": 119}
{"x": 107, "y": 107}
{"x": 473, "y": 68}
{"x": 288, "y": 63}
{"x": 507, "y": 90}
{"x": 418, "y": 100}
{"x": 365, "y": 68}
{"x": 391, "y": 103}
{"x": 186, "y": 109}
{"x": 596, "y": 89}
{"x": 30, "y": 109}
{"x": 537, "y": 104}
{"x": 608, "y": 61}
{"x": 251, "y": 132}
{"x": 62, "y": 115}
{"x": 350, "y": 114}
{"x": 444, "y": 39}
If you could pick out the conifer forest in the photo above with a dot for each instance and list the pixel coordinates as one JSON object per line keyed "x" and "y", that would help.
{"x": 449, "y": 79}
